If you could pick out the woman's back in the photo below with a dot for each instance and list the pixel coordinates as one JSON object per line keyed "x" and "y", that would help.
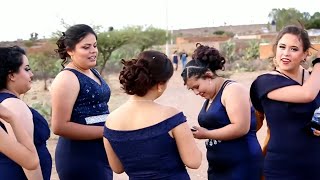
{"x": 142, "y": 139}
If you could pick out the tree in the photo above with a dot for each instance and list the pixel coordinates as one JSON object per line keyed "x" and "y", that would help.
{"x": 56, "y": 35}
{"x": 146, "y": 37}
{"x": 44, "y": 62}
{"x": 284, "y": 17}
{"x": 108, "y": 42}
{"x": 150, "y": 37}
{"x": 314, "y": 22}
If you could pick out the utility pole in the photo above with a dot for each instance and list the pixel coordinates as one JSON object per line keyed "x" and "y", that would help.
{"x": 167, "y": 30}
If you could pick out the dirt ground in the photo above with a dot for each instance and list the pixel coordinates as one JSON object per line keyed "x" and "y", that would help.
{"x": 176, "y": 95}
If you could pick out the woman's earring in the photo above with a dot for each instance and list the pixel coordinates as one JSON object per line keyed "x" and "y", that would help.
{"x": 304, "y": 64}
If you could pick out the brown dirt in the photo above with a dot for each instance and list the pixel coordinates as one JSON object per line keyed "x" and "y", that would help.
{"x": 176, "y": 95}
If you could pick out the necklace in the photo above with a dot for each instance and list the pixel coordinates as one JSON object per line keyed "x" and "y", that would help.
{"x": 140, "y": 100}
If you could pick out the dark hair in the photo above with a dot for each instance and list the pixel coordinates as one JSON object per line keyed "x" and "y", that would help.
{"x": 139, "y": 75}
{"x": 204, "y": 58}
{"x": 70, "y": 38}
{"x": 11, "y": 58}
{"x": 294, "y": 30}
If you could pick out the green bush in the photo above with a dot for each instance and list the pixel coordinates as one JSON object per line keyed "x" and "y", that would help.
{"x": 44, "y": 109}
{"x": 228, "y": 51}
{"x": 252, "y": 51}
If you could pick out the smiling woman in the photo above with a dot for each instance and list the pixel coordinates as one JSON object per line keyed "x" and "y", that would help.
{"x": 79, "y": 108}
{"x": 288, "y": 97}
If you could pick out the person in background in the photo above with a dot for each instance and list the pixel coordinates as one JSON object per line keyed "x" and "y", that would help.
{"x": 145, "y": 139}
{"x": 226, "y": 118}
{"x": 288, "y": 97}
{"x": 15, "y": 80}
{"x": 175, "y": 60}
{"x": 183, "y": 57}
{"x": 79, "y": 108}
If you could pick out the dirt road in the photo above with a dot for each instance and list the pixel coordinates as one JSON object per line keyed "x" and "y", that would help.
{"x": 177, "y": 96}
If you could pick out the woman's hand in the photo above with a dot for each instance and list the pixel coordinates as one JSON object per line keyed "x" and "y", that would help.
{"x": 316, "y": 132}
{"x": 200, "y": 133}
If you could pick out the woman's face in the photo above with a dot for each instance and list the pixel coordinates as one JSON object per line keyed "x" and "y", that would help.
{"x": 289, "y": 53}
{"x": 23, "y": 78}
{"x": 85, "y": 52}
{"x": 200, "y": 86}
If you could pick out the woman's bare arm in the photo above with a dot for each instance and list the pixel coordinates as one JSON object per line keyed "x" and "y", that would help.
{"x": 20, "y": 149}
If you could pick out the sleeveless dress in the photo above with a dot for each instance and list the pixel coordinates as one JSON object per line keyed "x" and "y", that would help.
{"x": 237, "y": 159}
{"x": 11, "y": 170}
{"x": 149, "y": 153}
{"x": 85, "y": 159}
{"x": 175, "y": 59}
{"x": 293, "y": 152}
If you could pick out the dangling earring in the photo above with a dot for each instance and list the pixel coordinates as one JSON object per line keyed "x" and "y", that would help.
{"x": 304, "y": 63}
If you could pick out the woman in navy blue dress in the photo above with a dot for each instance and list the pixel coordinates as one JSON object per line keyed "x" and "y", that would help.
{"x": 227, "y": 119}
{"x": 288, "y": 102}
{"x": 15, "y": 79}
{"x": 20, "y": 149}
{"x": 145, "y": 139}
{"x": 79, "y": 108}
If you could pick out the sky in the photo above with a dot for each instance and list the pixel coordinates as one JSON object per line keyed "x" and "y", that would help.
{"x": 19, "y": 18}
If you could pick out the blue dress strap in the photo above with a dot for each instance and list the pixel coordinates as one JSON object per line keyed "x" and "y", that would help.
{"x": 147, "y": 132}
{"x": 4, "y": 96}
{"x": 266, "y": 83}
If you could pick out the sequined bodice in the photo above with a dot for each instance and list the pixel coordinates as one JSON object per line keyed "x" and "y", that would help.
{"x": 91, "y": 106}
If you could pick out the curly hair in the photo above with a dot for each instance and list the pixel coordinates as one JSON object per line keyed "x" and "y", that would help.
{"x": 139, "y": 75}
{"x": 204, "y": 58}
{"x": 11, "y": 58}
{"x": 71, "y": 38}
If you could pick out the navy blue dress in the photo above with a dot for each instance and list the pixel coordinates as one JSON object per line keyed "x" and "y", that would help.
{"x": 11, "y": 170}
{"x": 85, "y": 159}
{"x": 149, "y": 153}
{"x": 293, "y": 152}
{"x": 237, "y": 159}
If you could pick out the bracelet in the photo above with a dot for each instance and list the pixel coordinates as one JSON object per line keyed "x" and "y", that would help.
{"x": 315, "y": 61}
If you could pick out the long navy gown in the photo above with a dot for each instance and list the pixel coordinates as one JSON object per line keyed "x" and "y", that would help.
{"x": 293, "y": 152}
{"x": 85, "y": 159}
{"x": 237, "y": 159}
